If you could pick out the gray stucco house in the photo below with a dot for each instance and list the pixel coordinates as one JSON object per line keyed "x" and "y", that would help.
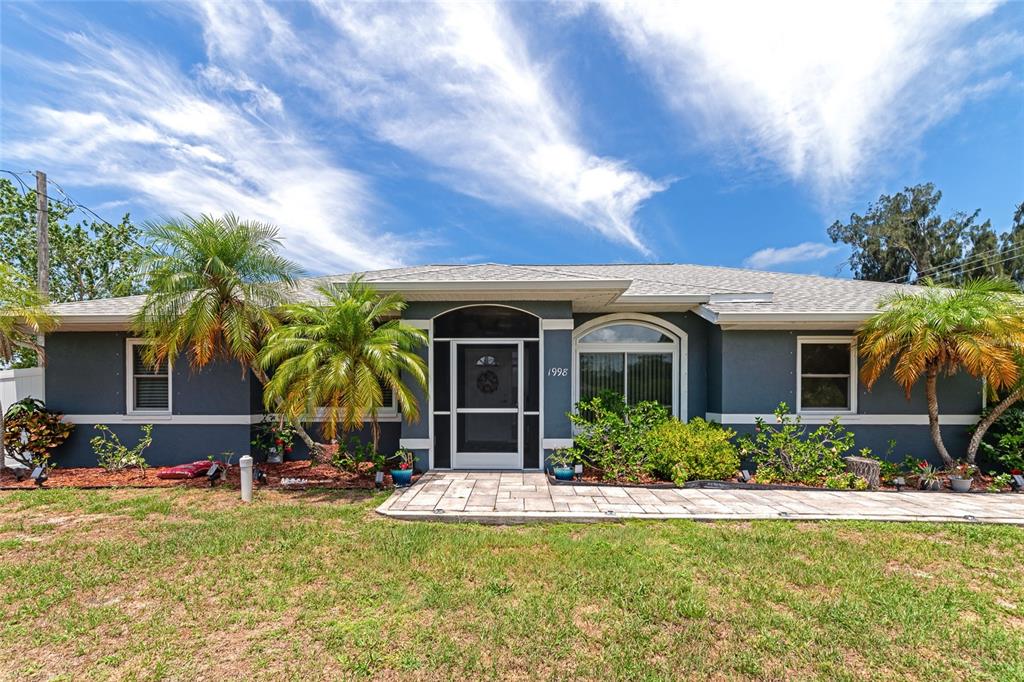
{"x": 513, "y": 347}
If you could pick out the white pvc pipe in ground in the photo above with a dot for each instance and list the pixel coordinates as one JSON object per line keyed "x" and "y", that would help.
{"x": 245, "y": 469}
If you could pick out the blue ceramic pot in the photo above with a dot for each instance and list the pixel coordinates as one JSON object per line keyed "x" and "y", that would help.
{"x": 401, "y": 477}
{"x": 563, "y": 473}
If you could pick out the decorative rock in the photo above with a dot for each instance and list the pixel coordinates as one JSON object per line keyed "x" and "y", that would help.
{"x": 865, "y": 467}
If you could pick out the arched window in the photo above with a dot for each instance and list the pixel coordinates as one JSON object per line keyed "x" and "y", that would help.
{"x": 637, "y": 359}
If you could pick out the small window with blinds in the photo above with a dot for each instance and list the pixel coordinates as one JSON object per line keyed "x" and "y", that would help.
{"x": 388, "y": 406}
{"x": 149, "y": 387}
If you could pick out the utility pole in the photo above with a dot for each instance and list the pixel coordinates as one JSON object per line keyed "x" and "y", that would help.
{"x": 42, "y": 236}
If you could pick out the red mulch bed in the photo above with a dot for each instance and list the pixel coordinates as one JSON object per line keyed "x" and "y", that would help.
{"x": 316, "y": 476}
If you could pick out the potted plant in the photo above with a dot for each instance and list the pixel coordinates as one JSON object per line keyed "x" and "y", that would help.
{"x": 961, "y": 476}
{"x": 401, "y": 473}
{"x": 928, "y": 476}
{"x": 275, "y": 439}
{"x": 561, "y": 461}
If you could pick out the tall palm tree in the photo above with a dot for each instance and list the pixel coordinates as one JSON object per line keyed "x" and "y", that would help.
{"x": 978, "y": 328}
{"x": 215, "y": 284}
{"x": 23, "y": 316}
{"x": 337, "y": 354}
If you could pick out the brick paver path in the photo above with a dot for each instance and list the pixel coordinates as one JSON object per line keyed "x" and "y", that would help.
{"x": 518, "y": 497}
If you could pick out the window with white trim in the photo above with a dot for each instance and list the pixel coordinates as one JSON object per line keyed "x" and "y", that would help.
{"x": 389, "y": 405}
{"x": 149, "y": 387}
{"x": 635, "y": 359}
{"x": 826, "y": 374}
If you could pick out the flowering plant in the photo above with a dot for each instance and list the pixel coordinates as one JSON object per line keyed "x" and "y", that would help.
{"x": 927, "y": 472}
{"x": 963, "y": 470}
{"x": 272, "y": 437}
{"x": 406, "y": 460}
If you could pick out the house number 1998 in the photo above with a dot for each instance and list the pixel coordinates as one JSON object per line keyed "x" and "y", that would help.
{"x": 558, "y": 372}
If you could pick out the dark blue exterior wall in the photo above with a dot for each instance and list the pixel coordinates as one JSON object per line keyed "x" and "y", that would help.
{"x": 557, "y": 387}
{"x": 172, "y": 443}
{"x": 757, "y": 371}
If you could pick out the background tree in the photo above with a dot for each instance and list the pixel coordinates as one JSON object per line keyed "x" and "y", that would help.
{"x": 978, "y": 328}
{"x": 215, "y": 285}
{"x": 1012, "y": 248}
{"x": 22, "y": 317}
{"x": 902, "y": 237}
{"x": 88, "y": 260}
{"x": 337, "y": 353}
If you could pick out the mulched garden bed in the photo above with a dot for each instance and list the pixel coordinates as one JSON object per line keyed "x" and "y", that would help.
{"x": 592, "y": 477}
{"x": 313, "y": 476}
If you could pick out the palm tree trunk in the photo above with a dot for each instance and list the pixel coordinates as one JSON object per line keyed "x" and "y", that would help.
{"x": 990, "y": 418}
{"x": 931, "y": 392}
{"x": 312, "y": 445}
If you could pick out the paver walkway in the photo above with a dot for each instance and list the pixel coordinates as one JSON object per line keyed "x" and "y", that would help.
{"x": 519, "y": 497}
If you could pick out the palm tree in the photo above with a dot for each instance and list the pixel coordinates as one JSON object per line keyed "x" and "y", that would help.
{"x": 214, "y": 287}
{"x": 23, "y": 316}
{"x": 338, "y": 353}
{"x": 978, "y": 328}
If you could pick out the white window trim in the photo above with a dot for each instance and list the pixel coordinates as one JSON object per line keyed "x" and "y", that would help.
{"x": 389, "y": 410}
{"x": 129, "y": 374}
{"x": 678, "y": 347}
{"x": 854, "y": 369}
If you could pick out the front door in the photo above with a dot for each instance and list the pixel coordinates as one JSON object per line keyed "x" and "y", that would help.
{"x": 489, "y": 392}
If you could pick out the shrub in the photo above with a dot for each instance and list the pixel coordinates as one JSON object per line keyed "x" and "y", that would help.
{"x": 697, "y": 450}
{"x": 44, "y": 430}
{"x": 1003, "y": 443}
{"x": 846, "y": 481}
{"x": 786, "y": 453}
{"x": 273, "y": 437}
{"x": 112, "y": 455}
{"x": 610, "y": 436}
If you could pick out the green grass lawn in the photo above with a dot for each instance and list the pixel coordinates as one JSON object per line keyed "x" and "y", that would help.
{"x": 176, "y": 584}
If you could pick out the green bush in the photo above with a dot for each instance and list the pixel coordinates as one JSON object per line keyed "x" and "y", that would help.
{"x": 697, "y": 450}
{"x": 610, "y": 436}
{"x": 1004, "y": 441}
{"x": 112, "y": 455}
{"x": 846, "y": 481}
{"x": 785, "y": 453}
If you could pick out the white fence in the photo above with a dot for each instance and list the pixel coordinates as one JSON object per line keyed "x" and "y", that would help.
{"x": 16, "y": 384}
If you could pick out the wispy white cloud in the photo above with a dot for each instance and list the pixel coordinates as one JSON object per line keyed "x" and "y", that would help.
{"x": 772, "y": 257}
{"x": 114, "y": 114}
{"x": 453, "y": 84}
{"x": 826, "y": 91}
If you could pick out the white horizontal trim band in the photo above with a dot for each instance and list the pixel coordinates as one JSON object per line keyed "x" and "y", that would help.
{"x": 555, "y": 443}
{"x": 553, "y": 325}
{"x": 414, "y": 443}
{"x": 851, "y": 419}
{"x": 188, "y": 419}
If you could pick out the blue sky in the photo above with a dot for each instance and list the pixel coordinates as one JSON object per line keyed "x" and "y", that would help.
{"x": 385, "y": 134}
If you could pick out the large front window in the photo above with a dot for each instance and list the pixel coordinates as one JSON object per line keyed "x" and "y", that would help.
{"x": 636, "y": 360}
{"x": 827, "y": 374}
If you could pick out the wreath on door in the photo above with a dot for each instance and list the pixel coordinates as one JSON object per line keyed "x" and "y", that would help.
{"x": 487, "y": 381}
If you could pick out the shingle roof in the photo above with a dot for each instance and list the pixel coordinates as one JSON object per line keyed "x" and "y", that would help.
{"x": 728, "y": 290}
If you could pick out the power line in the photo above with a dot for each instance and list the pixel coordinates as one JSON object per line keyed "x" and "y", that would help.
{"x": 964, "y": 265}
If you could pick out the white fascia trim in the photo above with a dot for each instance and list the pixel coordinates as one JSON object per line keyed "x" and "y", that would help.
{"x": 752, "y": 297}
{"x": 556, "y": 443}
{"x": 552, "y": 325}
{"x": 771, "y": 317}
{"x": 502, "y": 285}
{"x": 414, "y": 443}
{"x": 850, "y": 419}
{"x": 654, "y": 299}
{"x": 706, "y": 313}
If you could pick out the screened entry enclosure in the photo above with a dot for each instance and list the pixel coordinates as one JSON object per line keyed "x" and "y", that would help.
{"x": 486, "y": 388}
